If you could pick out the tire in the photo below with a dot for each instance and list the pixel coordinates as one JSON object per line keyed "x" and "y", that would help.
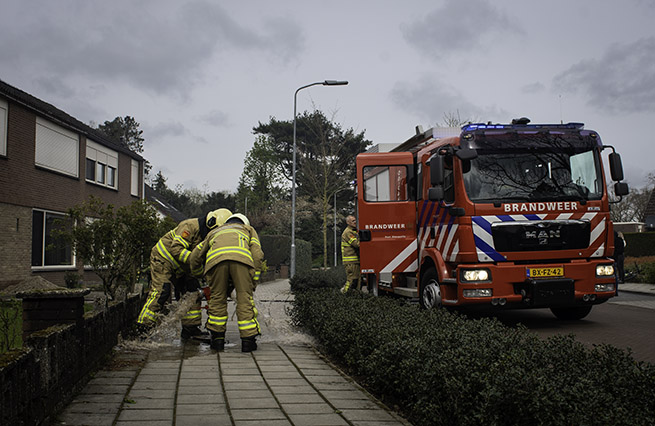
{"x": 572, "y": 314}
{"x": 430, "y": 291}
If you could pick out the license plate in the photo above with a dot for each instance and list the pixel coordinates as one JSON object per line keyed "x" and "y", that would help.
{"x": 557, "y": 271}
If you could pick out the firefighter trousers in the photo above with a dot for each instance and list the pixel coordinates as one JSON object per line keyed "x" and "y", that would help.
{"x": 164, "y": 280}
{"x": 218, "y": 278}
{"x": 352, "y": 276}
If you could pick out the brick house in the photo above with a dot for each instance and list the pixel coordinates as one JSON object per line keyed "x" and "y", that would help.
{"x": 49, "y": 162}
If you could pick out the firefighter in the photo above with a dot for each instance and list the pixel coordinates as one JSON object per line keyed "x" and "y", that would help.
{"x": 350, "y": 254}
{"x": 231, "y": 252}
{"x": 170, "y": 271}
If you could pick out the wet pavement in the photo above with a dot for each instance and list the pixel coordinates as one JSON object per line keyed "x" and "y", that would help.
{"x": 285, "y": 382}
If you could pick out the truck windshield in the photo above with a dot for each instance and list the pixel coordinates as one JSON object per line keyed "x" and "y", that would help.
{"x": 535, "y": 171}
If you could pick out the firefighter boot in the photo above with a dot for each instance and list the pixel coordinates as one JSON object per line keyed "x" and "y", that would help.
{"x": 189, "y": 331}
{"x": 218, "y": 341}
{"x": 345, "y": 287}
{"x": 248, "y": 344}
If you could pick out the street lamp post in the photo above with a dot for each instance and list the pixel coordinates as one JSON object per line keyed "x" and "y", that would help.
{"x": 335, "y": 223}
{"x": 292, "y": 272}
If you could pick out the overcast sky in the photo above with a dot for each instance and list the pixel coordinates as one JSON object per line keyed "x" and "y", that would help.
{"x": 199, "y": 75}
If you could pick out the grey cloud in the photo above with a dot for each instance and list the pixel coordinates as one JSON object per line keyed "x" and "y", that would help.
{"x": 536, "y": 87}
{"x": 622, "y": 81}
{"x": 431, "y": 101}
{"x": 215, "y": 118}
{"x": 160, "y": 47}
{"x": 458, "y": 25}
{"x": 166, "y": 130}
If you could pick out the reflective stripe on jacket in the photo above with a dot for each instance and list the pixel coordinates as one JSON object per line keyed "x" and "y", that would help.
{"x": 176, "y": 245}
{"x": 350, "y": 245}
{"x": 232, "y": 241}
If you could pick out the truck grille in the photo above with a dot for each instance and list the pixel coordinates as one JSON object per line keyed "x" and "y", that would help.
{"x": 541, "y": 235}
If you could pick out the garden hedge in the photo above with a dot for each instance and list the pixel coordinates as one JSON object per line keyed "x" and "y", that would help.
{"x": 441, "y": 368}
{"x": 640, "y": 244}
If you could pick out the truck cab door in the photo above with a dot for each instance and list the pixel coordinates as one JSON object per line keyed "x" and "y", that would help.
{"x": 386, "y": 196}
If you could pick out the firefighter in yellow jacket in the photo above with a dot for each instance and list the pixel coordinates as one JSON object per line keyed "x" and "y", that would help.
{"x": 231, "y": 251}
{"x": 350, "y": 254}
{"x": 169, "y": 269}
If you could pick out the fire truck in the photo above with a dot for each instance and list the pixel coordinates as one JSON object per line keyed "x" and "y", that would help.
{"x": 491, "y": 215}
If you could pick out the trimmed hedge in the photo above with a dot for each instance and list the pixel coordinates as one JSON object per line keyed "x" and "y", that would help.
{"x": 277, "y": 251}
{"x": 640, "y": 244}
{"x": 441, "y": 368}
{"x": 318, "y": 278}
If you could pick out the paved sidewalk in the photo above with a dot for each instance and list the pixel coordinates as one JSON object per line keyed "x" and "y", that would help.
{"x": 284, "y": 382}
{"x": 637, "y": 288}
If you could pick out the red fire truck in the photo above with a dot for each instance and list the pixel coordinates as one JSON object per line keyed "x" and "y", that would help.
{"x": 504, "y": 215}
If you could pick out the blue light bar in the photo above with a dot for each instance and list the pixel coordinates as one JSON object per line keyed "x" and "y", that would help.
{"x": 482, "y": 126}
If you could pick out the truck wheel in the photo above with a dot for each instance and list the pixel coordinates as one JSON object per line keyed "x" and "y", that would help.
{"x": 573, "y": 313}
{"x": 430, "y": 291}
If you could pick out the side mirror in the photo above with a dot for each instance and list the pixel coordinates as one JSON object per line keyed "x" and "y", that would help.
{"x": 466, "y": 154}
{"x": 436, "y": 170}
{"x": 436, "y": 193}
{"x": 616, "y": 167}
{"x": 621, "y": 188}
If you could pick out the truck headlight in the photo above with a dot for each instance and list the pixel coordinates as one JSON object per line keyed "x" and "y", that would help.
{"x": 475, "y": 275}
{"x": 604, "y": 270}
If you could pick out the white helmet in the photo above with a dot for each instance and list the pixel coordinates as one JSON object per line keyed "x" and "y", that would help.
{"x": 239, "y": 216}
{"x": 217, "y": 217}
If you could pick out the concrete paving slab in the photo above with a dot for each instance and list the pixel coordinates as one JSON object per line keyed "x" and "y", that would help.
{"x": 322, "y": 408}
{"x": 332, "y": 419}
{"x": 259, "y": 414}
{"x": 203, "y": 420}
{"x": 282, "y": 374}
{"x": 281, "y": 390}
{"x": 204, "y": 399}
{"x": 246, "y": 394}
{"x": 309, "y": 398}
{"x": 207, "y": 374}
{"x": 201, "y": 409}
{"x": 151, "y": 393}
{"x": 150, "y": 423}
{"x": 149, "y": 404}
{"x": 367, "y": 415}
{"x": 193, "y": 390}
{"x": 148, "y": 385}
{"x": 262, "y": 423}
{"x": 147, "y": 415}
{"x": 350, "y": 395}
{"x": 235, "y": 386}
{"x": 254, "y": 403}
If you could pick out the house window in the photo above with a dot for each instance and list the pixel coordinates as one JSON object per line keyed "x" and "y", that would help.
{"x": 101, "y": 165}
{"x": 135, "y": 178}
{"x": 56, "y": 148}
{"x": 4, "y": 107}
{"x": 49, "y": 249}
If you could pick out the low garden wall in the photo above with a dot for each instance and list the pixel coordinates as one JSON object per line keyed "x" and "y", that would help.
{"x": 56, "y": 362}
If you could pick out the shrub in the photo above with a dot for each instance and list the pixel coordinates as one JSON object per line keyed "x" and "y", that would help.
{"x": 640, "y": 244}
{"x": 318, "y": 278}
{"x": 444, "y": 369}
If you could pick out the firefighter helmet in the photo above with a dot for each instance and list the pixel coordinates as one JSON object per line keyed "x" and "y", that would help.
{"x": 239, "y": 217}
{"x": 217, "y": 217}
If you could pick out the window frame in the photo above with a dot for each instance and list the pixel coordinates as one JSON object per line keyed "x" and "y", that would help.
{"x": 4, "y": 120}
{"x": 103, "y": 159}
{"x": 43, "y": 246}
{"x": 51, "y": 142}
{"x": 134, "y": 178}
